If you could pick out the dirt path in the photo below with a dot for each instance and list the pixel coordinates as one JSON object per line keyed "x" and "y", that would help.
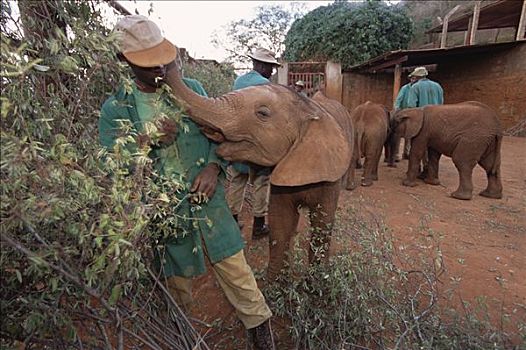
{"x": 480, "y": 244}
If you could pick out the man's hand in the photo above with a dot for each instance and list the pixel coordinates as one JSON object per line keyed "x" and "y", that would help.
{"x": 168, "y": 128}
{"x": 205, "y": 182}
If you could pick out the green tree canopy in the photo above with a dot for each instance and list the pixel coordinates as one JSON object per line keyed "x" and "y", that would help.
{"x": 348, "y": 33}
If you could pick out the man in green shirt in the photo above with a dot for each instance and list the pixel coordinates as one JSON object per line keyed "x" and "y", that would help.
{"x": 182, "y": 151}
{"x": 424, "y": 91}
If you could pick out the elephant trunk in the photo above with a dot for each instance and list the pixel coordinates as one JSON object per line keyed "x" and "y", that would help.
{"x": 214, "y": 113}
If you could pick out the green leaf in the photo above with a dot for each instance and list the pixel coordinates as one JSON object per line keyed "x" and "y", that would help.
{"x": 116, "y": 293}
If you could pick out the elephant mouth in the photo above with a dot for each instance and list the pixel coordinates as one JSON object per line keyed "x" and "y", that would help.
{"x": 213, "y": 134}
{"x": 242, "y": 151}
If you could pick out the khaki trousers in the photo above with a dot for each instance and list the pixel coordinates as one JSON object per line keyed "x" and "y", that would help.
{"x": 237, "y": 189}
{"x": 237, "y": 281}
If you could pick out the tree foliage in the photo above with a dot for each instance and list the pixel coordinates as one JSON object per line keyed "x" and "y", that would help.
{"x": 348, "y": 33}
{"x": 77, "y": 239}
{"x": 267, "y": 29}
{"x": 217, "y": 79}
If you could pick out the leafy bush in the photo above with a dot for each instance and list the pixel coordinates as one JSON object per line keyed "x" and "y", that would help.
{"x": 217, "y": 79}
{"x": 77, "y": 242}
{"x": 349, "y": 33}
{"x": 363, "y": 299}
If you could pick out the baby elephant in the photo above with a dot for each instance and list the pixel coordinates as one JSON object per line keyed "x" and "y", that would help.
{"x": 468, "y": 132}
{"x": 371, "y": 125}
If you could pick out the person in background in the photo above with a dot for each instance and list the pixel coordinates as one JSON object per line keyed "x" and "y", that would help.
{"x": 299, "y": 86}
{"x": 401, "y": 103}
{"x": 422, "y": 93}
{"x": 204, "y": 229}
{"x": 263, "y": 62}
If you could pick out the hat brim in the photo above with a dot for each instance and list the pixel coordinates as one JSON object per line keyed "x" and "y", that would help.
{"x": 276, "y": 63}
{"x": 161, "y": 54}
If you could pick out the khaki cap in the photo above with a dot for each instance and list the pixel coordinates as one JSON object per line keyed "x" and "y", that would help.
{"x": 264, "y": 55}
{"x": 142, "y": 43}
{"x": 300, "y": 83}
{"x": 419, "y": 72}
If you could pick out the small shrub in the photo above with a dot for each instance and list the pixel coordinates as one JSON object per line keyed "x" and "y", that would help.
{"x": 362, "y": 299}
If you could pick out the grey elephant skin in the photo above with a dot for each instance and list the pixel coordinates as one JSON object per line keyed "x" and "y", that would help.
{"x": 371, "y": 130}
{"x": 308, "y": 142}
{"x": 468, "y": 132}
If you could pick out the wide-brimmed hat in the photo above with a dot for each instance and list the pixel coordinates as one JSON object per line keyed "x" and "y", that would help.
{"x": 300, "y": 83}
{"x": 263, "y": 55}
{"x": 142, "y": 43}
{"x": 419, "y": 72}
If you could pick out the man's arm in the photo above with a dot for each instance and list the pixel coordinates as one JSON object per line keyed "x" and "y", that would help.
{"x": 400, "y": 98}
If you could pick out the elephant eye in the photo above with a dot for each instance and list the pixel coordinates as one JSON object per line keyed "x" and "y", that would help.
{"x": 263, "y": 112}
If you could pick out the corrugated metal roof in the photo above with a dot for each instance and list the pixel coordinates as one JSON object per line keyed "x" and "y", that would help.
{"x": 427, "y": 56}
{"x": 500, "y": 14}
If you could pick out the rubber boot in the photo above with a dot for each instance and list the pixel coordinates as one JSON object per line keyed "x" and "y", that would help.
{"x": 259, "y": 228}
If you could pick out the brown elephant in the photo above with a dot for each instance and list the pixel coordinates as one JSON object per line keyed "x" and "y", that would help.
{"x": 308, "y": 144}
{"x": 468, "y": 132}
{"x": 371, "y": 130}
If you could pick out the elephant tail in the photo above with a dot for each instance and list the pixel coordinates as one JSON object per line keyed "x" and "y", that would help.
{"x": 495, "y": 169}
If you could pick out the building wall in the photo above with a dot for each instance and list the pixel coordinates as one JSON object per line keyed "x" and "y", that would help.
{"x": 497, "y": 79}
{"x": 359, "y": 88}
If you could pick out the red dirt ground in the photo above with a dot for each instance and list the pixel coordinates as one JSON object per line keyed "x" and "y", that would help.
{"x": 482, "y": 241}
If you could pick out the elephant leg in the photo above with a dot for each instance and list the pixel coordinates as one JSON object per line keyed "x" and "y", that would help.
{"x": 432, "y": 167}
{"x": 367, "y": 170}
{"x": 464, "y": 164}
{"x": 494, "y": 189}
{"x": 283, "y": 221}
{"x": 322, "y": 204}
{"x": 418, "y": 150}
{"x": 376, "y": 162}
{"x": 422, "y": 174}
{"x": 350, "y": 183}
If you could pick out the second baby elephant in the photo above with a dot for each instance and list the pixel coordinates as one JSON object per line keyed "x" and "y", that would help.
{"x": 468, "y": 132}
{"x": 307, "y": 143}
{"x": 371, "y": 129}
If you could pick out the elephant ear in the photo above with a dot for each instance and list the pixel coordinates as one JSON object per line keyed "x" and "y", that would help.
{"x": 411, "y": 120}
{"x": 321, "y": 154}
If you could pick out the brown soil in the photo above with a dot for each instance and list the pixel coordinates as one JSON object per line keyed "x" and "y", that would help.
{"x": 480, "y": 243}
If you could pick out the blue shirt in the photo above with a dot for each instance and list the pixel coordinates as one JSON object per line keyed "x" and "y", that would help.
{"x": 250, "y": 79}
{"x": 403, "y": 96}
{"x": 425, "y": 92}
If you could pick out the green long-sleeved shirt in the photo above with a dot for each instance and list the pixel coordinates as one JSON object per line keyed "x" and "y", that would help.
{"x": 185, "y": 158}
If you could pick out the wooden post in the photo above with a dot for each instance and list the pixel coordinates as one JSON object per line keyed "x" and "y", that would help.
{"x": 522, "y": 22}
{"x": 397, "y": 81}
{"x": 333, "y": 81}
{"x": 467, "y": 36}
{"x": 475, "y": 24}
{"x": 443, "y": 40}
{"x": 283, "y": 74}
